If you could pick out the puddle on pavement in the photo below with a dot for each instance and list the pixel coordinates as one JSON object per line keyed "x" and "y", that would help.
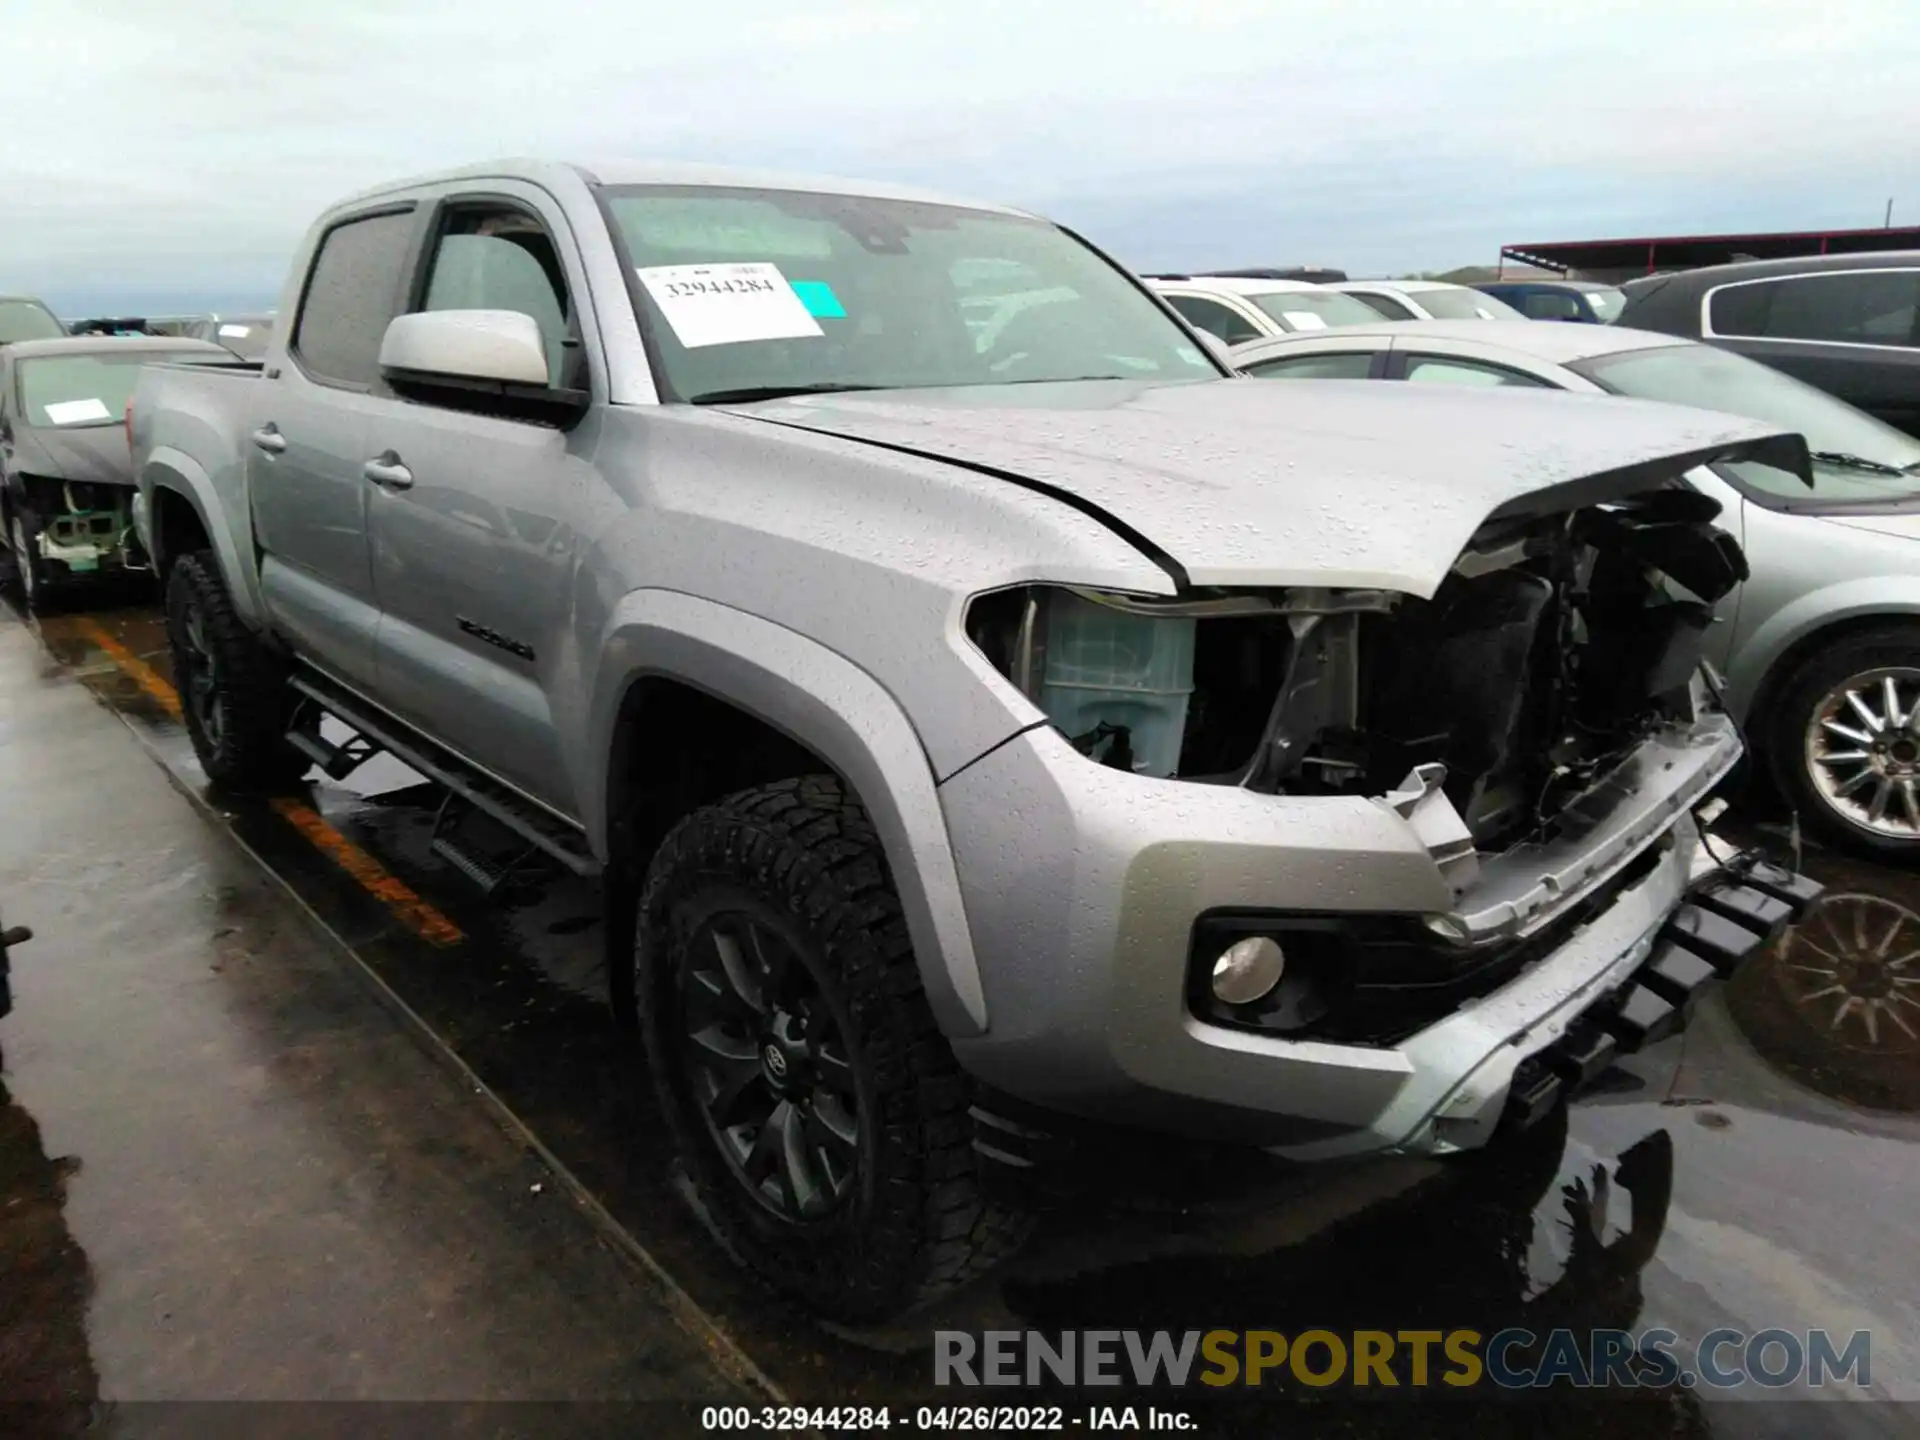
{"x": 48, "y": 1383}
{"x": 1562, "y": 1232}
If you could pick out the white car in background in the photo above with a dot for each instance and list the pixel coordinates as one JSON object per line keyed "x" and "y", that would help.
{"x": 1426, "y": 300}
{"x": 1235, "y": 309}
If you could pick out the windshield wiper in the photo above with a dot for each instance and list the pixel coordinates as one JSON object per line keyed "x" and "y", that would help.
{"x": 746, "y": 394}
{"x": 1860, "y": 462}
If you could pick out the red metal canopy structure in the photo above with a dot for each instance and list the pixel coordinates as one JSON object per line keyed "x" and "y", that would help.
{"x": 1616, "y": 260}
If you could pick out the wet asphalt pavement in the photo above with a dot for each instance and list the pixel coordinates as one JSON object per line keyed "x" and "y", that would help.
{"x": 305, "y": 1117}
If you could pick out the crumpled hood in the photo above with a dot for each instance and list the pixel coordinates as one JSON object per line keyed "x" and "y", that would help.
{"x": 1271, "y": 482}
{"x": 96, "y": 454}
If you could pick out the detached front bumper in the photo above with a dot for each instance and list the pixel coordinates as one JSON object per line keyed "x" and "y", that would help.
{"x": 1084, "y": 886}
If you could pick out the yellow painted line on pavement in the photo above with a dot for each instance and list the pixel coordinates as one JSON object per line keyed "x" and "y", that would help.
{"x": 416, "y": 914}
{"x": 141, "y": 673}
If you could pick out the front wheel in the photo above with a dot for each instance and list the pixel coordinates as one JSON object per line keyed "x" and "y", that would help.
{"x": 30, "y": 571}
{"x": 819, "y": 1112}
{"x": 233, "y": 695}
{"x": 1845, "y": 743}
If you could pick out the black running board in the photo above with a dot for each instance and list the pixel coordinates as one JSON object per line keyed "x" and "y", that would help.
{"x": 375, "y": 733}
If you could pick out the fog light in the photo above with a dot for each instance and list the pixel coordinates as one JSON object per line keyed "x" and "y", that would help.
{"x": 1248, "y": 969}
{"x": 1446, "y": 928}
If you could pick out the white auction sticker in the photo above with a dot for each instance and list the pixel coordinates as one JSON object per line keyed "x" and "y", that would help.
{"x": 234, "y": 331}
{"x": 725, "y": 304}
{"x": 1304, "y": 320}
{"x": 76, "y": 412}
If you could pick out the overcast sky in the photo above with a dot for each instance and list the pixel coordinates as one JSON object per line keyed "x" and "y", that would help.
{"x": 172, "y": 151}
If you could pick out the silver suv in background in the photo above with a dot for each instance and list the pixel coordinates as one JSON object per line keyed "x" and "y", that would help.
{"x": 988, "y": 724}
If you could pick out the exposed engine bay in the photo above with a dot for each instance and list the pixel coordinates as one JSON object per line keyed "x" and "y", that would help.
{"x": 84, "y": 525}
{"x": 1554, "y": 646}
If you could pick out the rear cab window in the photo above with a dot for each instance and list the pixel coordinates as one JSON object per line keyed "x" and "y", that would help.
{"x": 352, "y": 292}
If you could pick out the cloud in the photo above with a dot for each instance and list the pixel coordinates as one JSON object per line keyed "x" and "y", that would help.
{"x": 186, "y": 146}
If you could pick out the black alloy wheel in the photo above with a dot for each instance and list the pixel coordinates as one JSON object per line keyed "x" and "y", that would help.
{"x": 766, "y": 1057}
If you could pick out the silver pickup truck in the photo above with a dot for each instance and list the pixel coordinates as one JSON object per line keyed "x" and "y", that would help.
{"x": 994, "y": 724}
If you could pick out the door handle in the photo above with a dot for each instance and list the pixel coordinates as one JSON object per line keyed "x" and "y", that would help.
{"x": 269, "y": 438}
{"x": 386, "y": 470}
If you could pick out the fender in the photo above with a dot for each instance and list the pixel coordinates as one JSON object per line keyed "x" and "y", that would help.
{"x": 1755, "y": 656}
{"x": 840, "y": 712}
{"x": 168, "y": 468}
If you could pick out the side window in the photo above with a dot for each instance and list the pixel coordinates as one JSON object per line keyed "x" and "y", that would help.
{"x": 1741, "y": 310}
{"x": 1859, "y": 308}
{"x": 496, "y": 257}
{"x": 1347, "y": 365}
{"x": 1388, "y": 308}
{"x": 1550, "y": 305}
{"x": 1848, "y": 306}
{"x": 1216, "y": 319}
{"x": 1433, "y": 370}
{"x": 351, "y": 294}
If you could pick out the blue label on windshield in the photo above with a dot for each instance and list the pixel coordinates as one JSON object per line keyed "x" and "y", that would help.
{"x": 819, "y": 299}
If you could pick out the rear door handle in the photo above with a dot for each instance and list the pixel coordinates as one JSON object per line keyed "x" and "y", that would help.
{"x": 269, "y": 438}
{"x": 386, "y": 470}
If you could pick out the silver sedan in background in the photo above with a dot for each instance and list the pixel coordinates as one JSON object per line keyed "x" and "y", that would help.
{"x": 1820, "y": 648}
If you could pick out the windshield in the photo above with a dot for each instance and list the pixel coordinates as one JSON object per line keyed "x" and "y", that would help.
{"x": 27, "y": 320}
{"x": 761, "y": 292}
{"x": 1316, "y": 309}
{"x": 245, "y": 335}
{"x": 1717, "y": 379}
{"x": 66, "y": 392}
{"x": 1607, "y": 304}
{"x": 1463, "y": 304}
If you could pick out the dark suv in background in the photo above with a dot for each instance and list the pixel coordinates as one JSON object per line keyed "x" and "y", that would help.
{"x": 1847, "y": 323}
{"x": 1583, "y": 301}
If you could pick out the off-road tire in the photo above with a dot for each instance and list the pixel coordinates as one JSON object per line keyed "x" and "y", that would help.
{"x": 1892, "y": 646}
{"x": 250, "y": 753}
{"x": 915, "y": 1222}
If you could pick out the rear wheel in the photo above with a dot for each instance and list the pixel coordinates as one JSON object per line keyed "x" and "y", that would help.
{"x": 1845, "y": 745}
{"x": 820, "y": 1114}
{"x": 233, "y": 694}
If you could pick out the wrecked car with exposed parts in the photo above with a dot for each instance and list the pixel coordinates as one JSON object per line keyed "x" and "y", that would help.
{"x": 984, "y": 734}
{"x": 66, "y": 477}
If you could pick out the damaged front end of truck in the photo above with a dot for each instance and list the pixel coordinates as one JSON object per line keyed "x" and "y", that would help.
{"x": 1546, "y": 724}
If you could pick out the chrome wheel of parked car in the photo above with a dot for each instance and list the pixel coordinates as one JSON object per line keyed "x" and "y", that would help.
{"x": 768, "y": 1061}
{"x": 1851, "y": 969}
{"x": 1839, "y": 735}
{"x": 1863, "y": 751}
